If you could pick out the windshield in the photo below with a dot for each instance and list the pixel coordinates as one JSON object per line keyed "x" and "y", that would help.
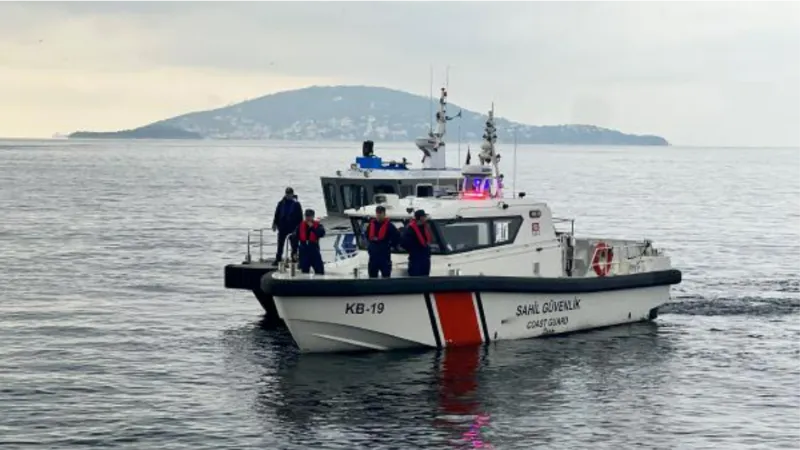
{"x": 465, "y": 235}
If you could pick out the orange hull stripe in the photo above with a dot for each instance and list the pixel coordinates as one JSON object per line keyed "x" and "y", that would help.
{"x": 458, "y": 318}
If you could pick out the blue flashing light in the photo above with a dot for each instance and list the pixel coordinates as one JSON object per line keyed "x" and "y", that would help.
{"x": 481, "y": 184}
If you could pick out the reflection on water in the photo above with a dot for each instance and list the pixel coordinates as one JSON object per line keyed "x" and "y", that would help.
{"x": 458, "y": 397}
{"x": 501, "y": 395}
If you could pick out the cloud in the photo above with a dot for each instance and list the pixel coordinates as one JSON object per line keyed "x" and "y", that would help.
{"x": 698, "y": 73}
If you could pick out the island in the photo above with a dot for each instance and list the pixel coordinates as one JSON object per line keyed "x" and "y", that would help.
{"x": 355, "y": 113}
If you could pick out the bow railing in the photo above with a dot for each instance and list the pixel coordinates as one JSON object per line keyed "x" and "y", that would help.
{"x": 260, "y": 240}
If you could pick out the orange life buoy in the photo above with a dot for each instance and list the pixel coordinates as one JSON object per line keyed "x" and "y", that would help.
{"x": 601, "y": 263}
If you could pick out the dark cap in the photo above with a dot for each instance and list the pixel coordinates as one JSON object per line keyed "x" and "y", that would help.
{"x": 380, "y": 209}
{"x": 289, "y": 191}
{"x": 420, "y": 213}
{"x": 309, "y": 213}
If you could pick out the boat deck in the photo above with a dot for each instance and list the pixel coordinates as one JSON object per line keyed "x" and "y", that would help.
{"x": 248, "y": 275}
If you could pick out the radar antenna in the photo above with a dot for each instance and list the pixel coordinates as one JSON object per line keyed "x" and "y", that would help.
{"x": 489, "y": 154}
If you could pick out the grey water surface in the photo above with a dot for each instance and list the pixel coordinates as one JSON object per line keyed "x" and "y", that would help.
{"x": 116, "y": 330}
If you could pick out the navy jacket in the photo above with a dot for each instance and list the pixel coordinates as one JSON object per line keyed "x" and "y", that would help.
{"x": 288, "y": 215}
{"x": 412, "y": 245}
{"x": 382, "y": 247}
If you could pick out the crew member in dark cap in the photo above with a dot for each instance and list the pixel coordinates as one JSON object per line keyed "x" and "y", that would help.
{"x": 417, "y": 239}
{"x": 308, "y": 234}
{"x": 381, "y": 236}
{"x": 288, "y": 215}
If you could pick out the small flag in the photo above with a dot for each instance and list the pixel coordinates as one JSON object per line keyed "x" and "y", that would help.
{"x": 469, "y": 156}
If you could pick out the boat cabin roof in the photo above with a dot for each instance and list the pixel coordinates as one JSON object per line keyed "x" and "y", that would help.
{"x": 446, "y": 207}
{"x": 392, "y": 174}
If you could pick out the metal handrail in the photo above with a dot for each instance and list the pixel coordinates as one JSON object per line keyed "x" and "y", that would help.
{"x": 262, "y": 242}
{"x": 358, "y": 270}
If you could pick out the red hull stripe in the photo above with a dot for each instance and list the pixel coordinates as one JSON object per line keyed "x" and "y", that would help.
{"x": 458, "y": 319}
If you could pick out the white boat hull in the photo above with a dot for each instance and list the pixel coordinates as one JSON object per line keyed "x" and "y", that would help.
{"x": 447, "y": 319}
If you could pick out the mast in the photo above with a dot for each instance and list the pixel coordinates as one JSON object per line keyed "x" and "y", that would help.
{"x": 430, "y": 105}
{"x": 489, "y": 153}
{"x": 433, "y": 146}
{"x": 514, "y": 185}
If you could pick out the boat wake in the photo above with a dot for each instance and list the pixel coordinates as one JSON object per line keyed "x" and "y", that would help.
{"x": 732, "y": 306}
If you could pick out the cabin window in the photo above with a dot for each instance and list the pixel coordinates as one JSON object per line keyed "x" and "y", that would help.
{"x": 506, "y": 229}
{"x": 466, "y": 235}
{"x": 384, "y": 189}
{"x": 472, "y": 234}
{"x": 424, "y": 190}
{"x": 405, "y": 191}
{"x": 330, "y": 197}
{"x": 354, "y": 196}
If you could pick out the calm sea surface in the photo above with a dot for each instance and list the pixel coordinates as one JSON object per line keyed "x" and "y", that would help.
{"x": 116, "y": 330}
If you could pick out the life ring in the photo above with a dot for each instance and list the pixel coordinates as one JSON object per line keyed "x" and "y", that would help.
{"x": 601, "y": 263}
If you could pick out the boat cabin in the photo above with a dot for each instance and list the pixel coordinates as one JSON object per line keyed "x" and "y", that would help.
{"x": 453, "y": 231}
{"x": 370, "y": 176}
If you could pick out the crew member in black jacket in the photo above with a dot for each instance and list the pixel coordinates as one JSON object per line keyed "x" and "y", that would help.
{"x": 288, "y": 216}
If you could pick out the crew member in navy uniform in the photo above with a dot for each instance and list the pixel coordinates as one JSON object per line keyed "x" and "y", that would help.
{"x": 382, "y": 236}
{"x": 308, "y": 234}
{"x": 288, "y": 216}
{"x": 417, "y": 239}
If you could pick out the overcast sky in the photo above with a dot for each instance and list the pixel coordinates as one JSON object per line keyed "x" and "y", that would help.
{"x": 696, "y": 73}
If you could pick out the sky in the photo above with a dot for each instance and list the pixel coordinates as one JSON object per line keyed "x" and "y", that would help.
{"x": 704, "y": 74}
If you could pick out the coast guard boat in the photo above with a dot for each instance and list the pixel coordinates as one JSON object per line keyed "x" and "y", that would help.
{"x": 500, "y": 269}
{"x": 366, "y": 179}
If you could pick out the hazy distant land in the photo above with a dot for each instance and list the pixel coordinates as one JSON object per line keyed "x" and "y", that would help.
{"x": 353, "y": 113}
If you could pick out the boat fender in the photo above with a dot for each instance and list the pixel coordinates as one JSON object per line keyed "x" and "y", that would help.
{"x": 601, "y": 262}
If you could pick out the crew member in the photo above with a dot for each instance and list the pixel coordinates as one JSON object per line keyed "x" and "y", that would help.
{"x": 288, "y": 215}
{"x": 417, "y": 241}
{"x": 308, "y": 234}
{"x": 382, "y": 236}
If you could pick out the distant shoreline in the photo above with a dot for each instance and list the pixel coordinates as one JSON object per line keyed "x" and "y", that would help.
{"x": 149, "y": 132}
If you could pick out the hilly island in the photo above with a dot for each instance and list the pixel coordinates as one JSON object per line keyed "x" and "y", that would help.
{"x": 353, "y": 113}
